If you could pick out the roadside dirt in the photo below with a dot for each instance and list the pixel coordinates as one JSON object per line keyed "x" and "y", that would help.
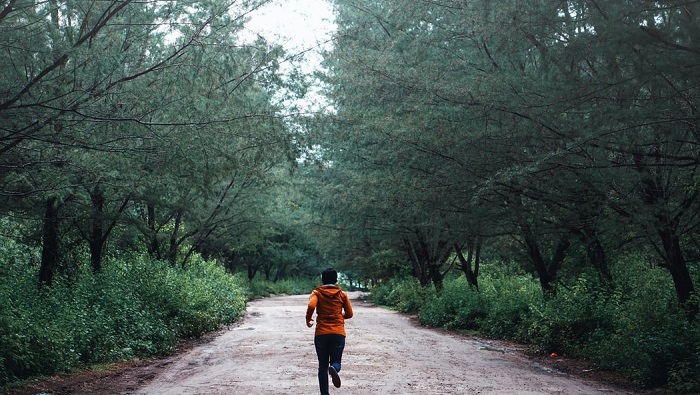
{"x": 271, "y": 352}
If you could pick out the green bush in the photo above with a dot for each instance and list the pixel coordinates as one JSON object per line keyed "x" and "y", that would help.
{"x": 641, "y": 319}
{"x": 405, "y": 295}
{"x": 31, "y": 340}
{"x": 683, "y": 375}
{"x": 633, "y": 325}
{"x": 291, "y": 286}
{"x": 457, "y": 307}
{"x": 382, "y": 294}
{"x": 207, "y": 297}
{"x": 135, "y": 307}
{"x": 512, "y": 299}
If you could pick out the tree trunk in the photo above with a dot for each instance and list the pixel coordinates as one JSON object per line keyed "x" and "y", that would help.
{"x": 436, "y": 276}
{"x": 546, "y": 271}
{"x": 49, "y": 251}
{"x": 427, "y": 262}
{"x": 281, "y": 272}
{"x": 596, "y": 255}
{"x": 153, "y": 247}
{"x": 594, "y": 249}
{"x": 420, "y": 271}
{"x": 654, "y": 194}
{"x": 675, "y": 261}
{"x": 172, "y": 250}
{"x": 465, "y": 264}
{"x": 252, "y": 271}
{"x": 100, "y": 228}
{"x": 96, "y": 241}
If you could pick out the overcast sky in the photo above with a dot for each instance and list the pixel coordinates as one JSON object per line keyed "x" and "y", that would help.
{"x": 298, "y": 25}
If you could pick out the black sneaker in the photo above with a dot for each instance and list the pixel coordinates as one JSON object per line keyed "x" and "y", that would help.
{"x": 334, "y": 376}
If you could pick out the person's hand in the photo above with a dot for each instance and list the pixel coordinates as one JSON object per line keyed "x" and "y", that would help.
{"x": 310, "y": 323}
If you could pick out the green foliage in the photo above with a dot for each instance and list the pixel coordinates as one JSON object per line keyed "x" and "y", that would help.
{"x": 634, "y": 326}
{"x": 542, "y": 116}
{"x": 30, "y": 340}
{"x": 404, "y": 294}
{"x": 683, "y": 374}
{"x": 136, "y": 307}
{"x": 290, "y": 286}
{"x": 146, "y": 168}
{"x": 642, "y": 318}
{"x": 511, "y": 298}
{"x": 457, "y": 307}
{"x": 193, "y": 300}
{"x": 499, "y": 309}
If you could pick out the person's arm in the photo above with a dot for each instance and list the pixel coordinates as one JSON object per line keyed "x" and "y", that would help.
{"x": 313, "y": 301}
{"x": 347, "y": 307}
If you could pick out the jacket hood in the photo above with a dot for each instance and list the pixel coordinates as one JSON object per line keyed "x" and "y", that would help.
{"x": 329, "y": 290}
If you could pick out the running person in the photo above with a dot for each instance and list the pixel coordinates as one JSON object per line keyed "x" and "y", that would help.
{"x": 332, "y": 307}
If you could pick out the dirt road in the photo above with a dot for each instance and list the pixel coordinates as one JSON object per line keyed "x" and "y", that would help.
{"x": 271, "y": 352}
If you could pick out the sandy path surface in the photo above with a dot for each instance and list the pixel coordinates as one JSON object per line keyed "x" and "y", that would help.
{"x": 271, "y": 352}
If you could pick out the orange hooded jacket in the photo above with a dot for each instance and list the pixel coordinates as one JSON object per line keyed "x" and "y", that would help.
{"x": 332, "y": 307}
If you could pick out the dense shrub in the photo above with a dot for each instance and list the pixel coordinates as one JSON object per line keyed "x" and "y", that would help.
{"x": 512, "y": 299}
{"x": 404, "y": 294}
{"x": 134, "y": 307}
{"x": 291, "y": 286}
{"x": 458, "y": 307}
{"x": 194, "y": 300}
{"x": 633, "y": 325}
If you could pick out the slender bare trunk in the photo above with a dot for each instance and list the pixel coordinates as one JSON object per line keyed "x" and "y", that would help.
{"x": 49, "y": 251}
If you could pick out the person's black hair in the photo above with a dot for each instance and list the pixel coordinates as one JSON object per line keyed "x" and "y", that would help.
{"x": 329, "y": 276}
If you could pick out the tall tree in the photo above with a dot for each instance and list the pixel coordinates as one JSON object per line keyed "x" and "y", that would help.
{"x": 581, "y": 112}
{"x": 115, "y": 103}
